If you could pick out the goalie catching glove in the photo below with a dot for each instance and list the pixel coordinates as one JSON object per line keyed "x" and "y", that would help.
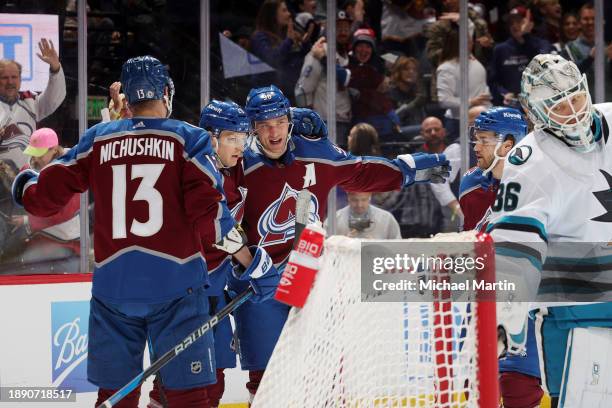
{"x": 19, "y": 185}
{"x": 261, "y": 274}
{"x": 423, "y": 168}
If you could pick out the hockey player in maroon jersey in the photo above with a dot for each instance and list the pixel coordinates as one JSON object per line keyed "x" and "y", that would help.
{"x": 158, "y": 197}
{"x": 229, "y": 125}
{"x": 495, "y": 132}
{"x": 291, "y": 152}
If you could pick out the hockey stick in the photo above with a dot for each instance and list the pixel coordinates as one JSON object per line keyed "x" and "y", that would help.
{"x": 302, "y": 213}
{"x": 178, "y": 349}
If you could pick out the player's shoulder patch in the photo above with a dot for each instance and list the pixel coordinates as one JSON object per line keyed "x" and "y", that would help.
{"x": 520, "y": 154}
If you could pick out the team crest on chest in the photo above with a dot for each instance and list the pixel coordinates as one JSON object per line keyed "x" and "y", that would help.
{"x": 277, "y": 223}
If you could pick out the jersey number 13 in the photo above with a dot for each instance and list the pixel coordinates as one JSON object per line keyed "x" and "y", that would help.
{"x": 149, "y": 173}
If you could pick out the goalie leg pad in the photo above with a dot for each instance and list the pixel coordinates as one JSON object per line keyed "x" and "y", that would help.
{"x": 552, "y": 344}
{"x": 587, "y": 376}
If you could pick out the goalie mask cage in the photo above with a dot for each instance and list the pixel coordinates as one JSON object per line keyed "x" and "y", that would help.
{"x": 339, "y": 351}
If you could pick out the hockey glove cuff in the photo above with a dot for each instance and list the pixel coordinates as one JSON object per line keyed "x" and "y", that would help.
{"x": 261, "y": 274}
{"x": 423, "y": 168}
{"x": 19, "y": 185}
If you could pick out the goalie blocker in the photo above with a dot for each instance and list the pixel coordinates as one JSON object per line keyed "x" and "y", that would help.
{"x": 299, "y": 274}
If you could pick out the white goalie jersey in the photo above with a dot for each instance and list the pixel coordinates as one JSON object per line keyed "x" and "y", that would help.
{"x": 552, "y": 219}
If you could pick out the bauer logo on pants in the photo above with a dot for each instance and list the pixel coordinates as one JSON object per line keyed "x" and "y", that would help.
{"x": 69, "y": 338}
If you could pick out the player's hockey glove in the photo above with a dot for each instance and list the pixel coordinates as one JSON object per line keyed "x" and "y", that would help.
{"x": 308, "y": 123}
{"x": 423, "y": 168}
{"x": 261, "y": 274}
{"x": 19, "y": 184}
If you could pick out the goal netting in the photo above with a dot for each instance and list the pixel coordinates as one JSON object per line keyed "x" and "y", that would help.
{"x": 342, "y": 351}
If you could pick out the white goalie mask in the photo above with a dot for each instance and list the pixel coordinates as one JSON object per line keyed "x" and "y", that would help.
{"x": 556, "y": 97}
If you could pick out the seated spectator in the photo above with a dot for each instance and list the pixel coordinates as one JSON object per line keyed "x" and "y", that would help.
{"x": 55, "y": 238}
{"x": 367, "y": 76}
{"x": 311, "y": 88}
{"x": 363, "y": 140}
{"x": 416, "y": 208}
{"x": 407, "y": 92}
{"x": 277, "y": 43}
{"x": 512, "y": 56}
{"x": 548, "y": 21}
{"x": 117, "y": 105}
{"x": 403, "y": 25}
{"x": 26, "y": 108}
{"x": 360, "y": 219}
{"x": 448, "y": 82}
{"x": 570, "y": 30}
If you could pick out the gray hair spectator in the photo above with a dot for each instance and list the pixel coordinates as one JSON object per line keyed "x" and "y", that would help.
{"x": 25, "y": 109}
{"x": 360, "y": 219}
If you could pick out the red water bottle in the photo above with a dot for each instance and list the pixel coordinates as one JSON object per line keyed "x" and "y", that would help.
{"x": 298, "y": 276}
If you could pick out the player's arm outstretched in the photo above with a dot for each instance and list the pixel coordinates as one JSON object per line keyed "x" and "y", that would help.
{"x": 370, "y": 173}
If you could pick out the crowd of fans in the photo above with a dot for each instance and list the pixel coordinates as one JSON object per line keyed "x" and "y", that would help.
{"x": 397, "y": 77}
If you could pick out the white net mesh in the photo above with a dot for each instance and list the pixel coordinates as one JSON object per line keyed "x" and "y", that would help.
{"x": 341, "y": 352}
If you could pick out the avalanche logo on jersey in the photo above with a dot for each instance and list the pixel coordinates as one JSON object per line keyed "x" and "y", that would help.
{"x": 69, "y": 338}
{"x": 238, "y": 210}
{"x": 277, "y": 223}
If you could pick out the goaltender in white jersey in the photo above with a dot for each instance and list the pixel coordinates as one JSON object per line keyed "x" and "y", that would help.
{"x": 552, "y": 223}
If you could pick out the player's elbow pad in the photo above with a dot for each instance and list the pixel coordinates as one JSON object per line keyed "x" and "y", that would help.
{"x": 233, "y": 241}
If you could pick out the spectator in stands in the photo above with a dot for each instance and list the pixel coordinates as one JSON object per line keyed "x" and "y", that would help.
{"x": 372, "y": 104}
{"x": 570, "y": 30}
{"x": 56, "y": 238}
{"x": 363, "y": 140}
{"x": 582, "y": 50}
{"x": 360, "y": 219}
{"x": 448, "y": 82}
{"x": 305, "y": 23}
{"x": 403, "y": 24}
{"x": 356, "y": 12}
{"x": 407, "y": 92}
{"x": 26, "y": 108}
{"x": 512, "y": 56}
{"x": 278, "y": 44}
{"x": 416, "y": 208}
{"x": 438, "y": 35}
{"x": 117, "y": 105}
{"x": 312, "y": 84}
{"x": 548, "y": 21}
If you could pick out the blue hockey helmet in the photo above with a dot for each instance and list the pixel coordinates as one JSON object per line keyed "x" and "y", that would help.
{"x": 218, "y": 116}
{"x": 145, "y": 78}
{"x": 502, "y": 121}
{"x": 267, "y": 103}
